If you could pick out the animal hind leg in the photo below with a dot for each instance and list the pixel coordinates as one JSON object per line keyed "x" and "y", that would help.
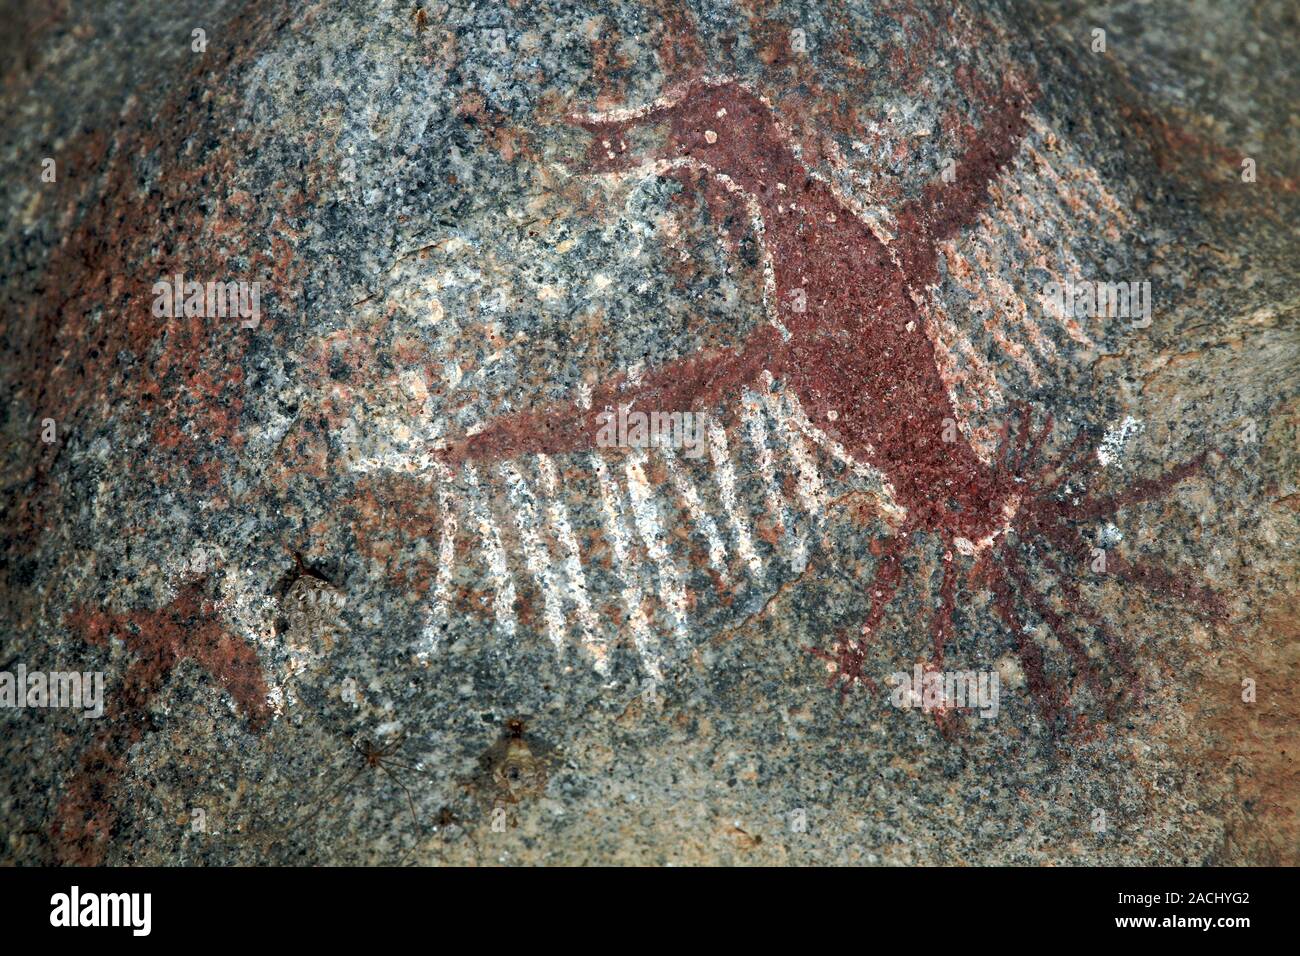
{"x": 941, "y": 625}
{"x": 1031, "y": 657}
{"x": 847, "y": 656}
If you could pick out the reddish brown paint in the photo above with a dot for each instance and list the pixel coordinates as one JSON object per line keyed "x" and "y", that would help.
{"x": 94, "y": 302}
{"x": 158, "y": 640}
{"x": 859, "y": 351}
{"x": 851, "y": 351}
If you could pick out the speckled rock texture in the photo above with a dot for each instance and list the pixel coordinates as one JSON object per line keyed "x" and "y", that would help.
{"x": 366, "y": 585}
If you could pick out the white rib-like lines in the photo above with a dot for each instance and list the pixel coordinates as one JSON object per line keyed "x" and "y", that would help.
{"x": 646, "y": 551}
{"x": 503, "y": 604}
{"x": 1045, "y": 185}
{"x": 690, "y": 496}
{"x": 960, "y": 269}
{"x": 440, "y": 613}
{"x": 578, "y": 595}
{"x": 726, "y": 478}
{"x": 1004, "y": 296}
{"x": 789, "y": 451}
{"x": 645, "y": 515}
{"x": 971, "y": 387}
{"x": 645, "y": 642}
{"x": 753, "y": 408}
{"x": 536, "y": 558}
{"x": 809, "y": 488}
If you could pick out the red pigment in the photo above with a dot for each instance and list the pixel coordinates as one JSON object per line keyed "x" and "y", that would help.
{"x": 857, "y": 351}
{"x": 159, "y": 640}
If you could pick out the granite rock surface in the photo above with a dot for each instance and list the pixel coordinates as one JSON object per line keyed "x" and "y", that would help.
{"x": 367, "y": 583}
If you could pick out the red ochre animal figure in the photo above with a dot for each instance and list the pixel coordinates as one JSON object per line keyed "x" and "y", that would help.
{"x": 848, "y": 340}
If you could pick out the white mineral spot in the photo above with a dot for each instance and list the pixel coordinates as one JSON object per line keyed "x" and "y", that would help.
{"x": 414, "y": 385}
{"x": 1117, "y": 436}
{"x": 436, "y": 312}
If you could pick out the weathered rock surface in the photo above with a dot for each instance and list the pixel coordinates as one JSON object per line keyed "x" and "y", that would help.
{"x": 364, "y": 586}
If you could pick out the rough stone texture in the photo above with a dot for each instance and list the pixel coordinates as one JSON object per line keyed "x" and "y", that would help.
{"x": 319, "y": 559}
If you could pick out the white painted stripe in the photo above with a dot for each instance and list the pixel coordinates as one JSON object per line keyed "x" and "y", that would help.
{"x": 809, "y": 487}
{"x": 1003, "y": 294}
{"x": 725, "y": 476}
{"x": 439, "y": 617}
{"x": 645, "y": 642}
{"x": 945, "y": 361}
{"x": 1014, "y": 212}
{"x": 1105, "y": 209}
{"x": 988, "y": 386}
{"x": 756, "y": 430}
{"x": 623, "y": 114}
{"x": 645, "y": 514}
{"x": 1049, "y": 205}
{"x": 690, "y": 496}
{"x": 414, "y": 463}
{"x": 807, "y": 482}
{"x": 967, "y": 277}
{"x": 754, "y": 406}
{"x": 503, "y": 584}
{"x": 578, "y": 595}
{"x": 536, "y": 556}
{"x": 832, "y": 447}
{"x": 970, "y": 388}
{"x": 887, "y": 498}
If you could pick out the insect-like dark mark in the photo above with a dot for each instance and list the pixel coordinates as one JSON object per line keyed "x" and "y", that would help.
{"x": 368, "y": 757}
{"x": 515, "y": 767}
